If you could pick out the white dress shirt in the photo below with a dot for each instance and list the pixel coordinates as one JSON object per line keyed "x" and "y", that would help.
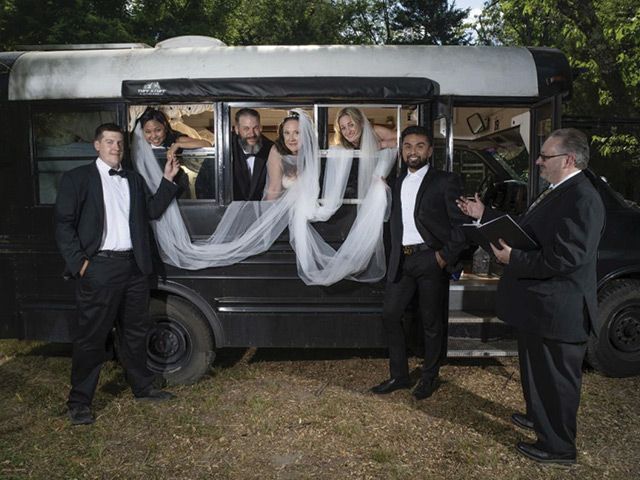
{"x": 552, "y": 186}
{"x": 250, "y": 161}
{"x": 408, "y": 194}
{"x": 117, "y": 202}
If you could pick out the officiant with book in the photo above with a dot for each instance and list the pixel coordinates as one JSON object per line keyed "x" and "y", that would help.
{"x": 548, "y": 293}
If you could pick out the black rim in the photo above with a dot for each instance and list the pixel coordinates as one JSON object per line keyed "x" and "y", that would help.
{"x": 624, "y": 329}
{"x": 169, "y": 346}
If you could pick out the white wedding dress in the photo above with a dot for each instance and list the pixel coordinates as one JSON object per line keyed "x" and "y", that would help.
{"x": 250, "y": 228}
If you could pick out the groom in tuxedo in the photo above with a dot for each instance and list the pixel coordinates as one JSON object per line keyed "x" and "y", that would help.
{"x": 426, "y": 241}
{"x": 250, "y": 150}
{"x": 102, "y": 230}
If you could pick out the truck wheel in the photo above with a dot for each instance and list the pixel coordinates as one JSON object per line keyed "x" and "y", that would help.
{"x": 180, "y": 343}
{"x": 616, "y": 351}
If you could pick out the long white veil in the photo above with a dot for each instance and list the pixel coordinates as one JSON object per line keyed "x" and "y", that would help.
{"x": 250, "y": 228}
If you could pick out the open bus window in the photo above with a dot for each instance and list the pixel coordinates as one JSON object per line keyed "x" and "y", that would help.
{"x": 247, "y": 176}
{"x": 195, "y": 121}
{"x": 62, "y": 141}
{"x": 493, "y": 162}
{"x": 343, "y": 129}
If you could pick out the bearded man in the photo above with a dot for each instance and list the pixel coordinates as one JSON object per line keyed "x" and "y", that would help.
{"x": 250, "y": 150}
{"x": 426, "y": 241}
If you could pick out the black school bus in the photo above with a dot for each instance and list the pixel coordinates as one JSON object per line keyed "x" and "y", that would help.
{"x": 490, "y": 110}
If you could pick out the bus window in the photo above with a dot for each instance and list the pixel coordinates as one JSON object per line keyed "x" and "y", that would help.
{"x": 196, "y": 122}
{"x": 491, "y": 154}
{"x": 254, "y": 170}
{"x": 387, "y": 122}
{"x": 62, "y": 141}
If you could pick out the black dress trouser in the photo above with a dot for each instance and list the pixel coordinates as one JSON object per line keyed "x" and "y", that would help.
{"x": 420, "y": 273}
{"x": 112, "y": 292}
{"x": 551, "y": 375}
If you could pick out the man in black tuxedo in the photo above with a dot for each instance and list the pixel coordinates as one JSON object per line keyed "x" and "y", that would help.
{"x": 250, "y": 150}
{"x": 102, "y": 231}
{"x": 426, "y": 241}
{"x": 549, "y": 294}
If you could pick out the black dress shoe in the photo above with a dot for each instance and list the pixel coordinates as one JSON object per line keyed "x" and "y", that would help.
{"x": 520, "y": 420}
{"x": 155, "y": 395}
{"x": 425, "y": 388}
{"x": 81, "y": 415}
{"x": 391, "y": 385}
{"x": 530, "y": 450}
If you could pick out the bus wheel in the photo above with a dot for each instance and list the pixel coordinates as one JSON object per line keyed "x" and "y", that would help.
{"x": 616, "y": 351}
{"x": 180, "y": 343}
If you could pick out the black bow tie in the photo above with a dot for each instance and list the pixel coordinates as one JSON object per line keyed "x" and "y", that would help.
{"x": 121, "y": 173}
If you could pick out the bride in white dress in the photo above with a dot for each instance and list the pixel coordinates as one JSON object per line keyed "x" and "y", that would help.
{"x": 250, "y": 228}
{"x": 282, "y": 162}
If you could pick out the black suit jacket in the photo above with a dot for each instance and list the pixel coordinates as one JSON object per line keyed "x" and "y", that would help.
{"x": 79, "y": 214}
{"x": 545, "y": 291}
{"x": 245, "y": 186}
{"x": 437, "y": 218}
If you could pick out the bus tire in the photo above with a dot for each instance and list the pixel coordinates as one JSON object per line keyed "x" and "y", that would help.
{"x": 180, "y": 343}
{"x": 616, "y": 350}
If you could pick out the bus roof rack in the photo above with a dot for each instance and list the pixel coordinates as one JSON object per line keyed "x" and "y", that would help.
{"x": 81, "y": 46}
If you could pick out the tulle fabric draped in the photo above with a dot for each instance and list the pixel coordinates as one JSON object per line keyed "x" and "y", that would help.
{"x": 250, "y": 228}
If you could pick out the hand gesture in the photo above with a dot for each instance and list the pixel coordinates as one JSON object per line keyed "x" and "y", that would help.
{"x": 171, "y": 151}
{"x": 171, "y": 167}
{"x": 473, "y": 208}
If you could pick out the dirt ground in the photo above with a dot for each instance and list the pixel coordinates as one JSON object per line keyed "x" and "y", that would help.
{"x": 296, "y": 414}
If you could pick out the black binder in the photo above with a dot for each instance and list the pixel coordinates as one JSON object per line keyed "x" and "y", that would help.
{"x": 503, "y": 227}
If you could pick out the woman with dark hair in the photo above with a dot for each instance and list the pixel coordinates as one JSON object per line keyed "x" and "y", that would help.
{"x": 158, "y": 133}
{"x": 281, "y": 164}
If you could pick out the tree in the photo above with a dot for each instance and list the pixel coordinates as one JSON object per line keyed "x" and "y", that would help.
{"x": 66, "y": 21}
{"x": 602, "y": 40}
{"x": 425, "y": 22}
{"x": 367, "y": 22}
{"x": 153, "y": 21}
{"x": 284, "y": 22}
{"x": 429, "y": 22}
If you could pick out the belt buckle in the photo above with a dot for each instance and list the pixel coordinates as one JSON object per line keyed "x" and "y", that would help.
{"x": 408, "y": 249}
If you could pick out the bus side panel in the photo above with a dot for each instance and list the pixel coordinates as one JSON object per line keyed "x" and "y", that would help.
{"x": 15, "y": 194}
{"x": 262, "y": 302}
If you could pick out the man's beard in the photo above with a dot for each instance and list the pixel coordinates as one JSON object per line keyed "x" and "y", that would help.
{"x": 248, "y": 148}
{"x": 416, "y": 163}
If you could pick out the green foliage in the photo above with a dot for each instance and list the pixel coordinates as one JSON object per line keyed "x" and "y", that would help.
{"x": 602, "y": 41}
{"x": 602, "y": 38}
{"x": 424, "y": 22}
{"x": 429, "y": 22}
{"x": 615, "y": 143}
{"x": 242, "y": 22}
{"x": 284, "y": 22}
{"x": 67, "y": 21}
{"x": 151, "y": 22}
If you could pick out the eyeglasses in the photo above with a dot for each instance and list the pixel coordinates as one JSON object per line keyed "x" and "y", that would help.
{"x": 547, "y": 157}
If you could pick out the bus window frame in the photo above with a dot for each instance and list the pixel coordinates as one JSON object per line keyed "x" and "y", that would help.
{"x": 185, "y": 201}
{"x": 225, "y": 167}
{"x": 75, "y": 106}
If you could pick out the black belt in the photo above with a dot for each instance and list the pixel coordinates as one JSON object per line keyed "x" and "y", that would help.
{"x": 411, "y": 249}
{"x": 115, "y": 253}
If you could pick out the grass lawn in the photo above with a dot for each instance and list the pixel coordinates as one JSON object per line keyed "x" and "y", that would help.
{"x": 294, "y": 414}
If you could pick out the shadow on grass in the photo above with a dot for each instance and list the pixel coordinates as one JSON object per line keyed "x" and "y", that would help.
{"x": 42, "y": 372}
{"x": 458, "y": 405}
